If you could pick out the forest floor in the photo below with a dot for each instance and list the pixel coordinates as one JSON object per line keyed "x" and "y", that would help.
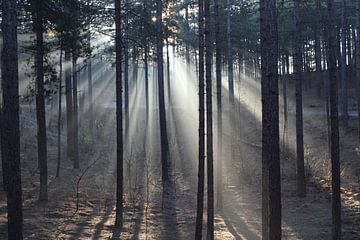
{"x": 150, "y": 213}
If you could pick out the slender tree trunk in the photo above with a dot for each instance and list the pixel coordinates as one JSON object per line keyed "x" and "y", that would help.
{"x": 344, "y": 80}
{"x": 219, "y": 202}
{"x": 119, "y": 121}
{"x": 126, "y": 76}
{"x": 271, "y": 219}
{"x": 168, "y": 70}
{"x": 10, "y": 120}
{"x": 301, "y": 182}
{"x": 162, "y": 111}
{"x": 209, "y": 121}
{"x": 146, "y": 62}
{"x": 201, "y": 173}
{"x": 90, "y": 90}
{"x": 40, "y": 100}
{"x": 358, "y": 64}
{"x": 59, "y": 111}
{"x": 69, "y": 106}
{"x": 76, "y": 113}
{"x": 334, "y": 125}
{"x": 318, "y": 26}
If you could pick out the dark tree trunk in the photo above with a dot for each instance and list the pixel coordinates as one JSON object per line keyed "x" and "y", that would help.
{"x": 126, "y": 77}
{"x": 168, "y": 70}
{"x": 344, "y": 80}
{"x": 69, "y": 106}
{"x": 90, "y": 90}
{"x": 358, "y": 64}
{"x": 201, "y": 173}
{"x": 301, "y": 182}
{"x": 271, "y": 219}
{"x": 219, "y": 202}
{"x": 146, "y": 62}
{"x": 209, "y": 121}
{"x": 162, "y": 111}
{"x": 334, "y": 125}
{"x": 59, "y": 111}
{"x": 119, "y": 121}
{"x": 10, "y": 120}
{"x": 318, "y": 26}
{"x": 40, "y": 99}
{"x": 76, "y": 113}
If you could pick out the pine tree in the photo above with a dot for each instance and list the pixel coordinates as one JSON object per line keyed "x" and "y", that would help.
{"x": 10, "y": 119}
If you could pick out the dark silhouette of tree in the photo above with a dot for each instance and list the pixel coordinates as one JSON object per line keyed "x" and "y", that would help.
{"x": 358, "y": 65}
{"x": 201, "y": 171}
{"x": 161, "y": 92}
{"x": 271, "y": 219}
{"x": 40, "y": 99}
{"x": 298, "y": 62}
{"x": 219, "y": 184}
{"x": 209, "y": 122}
{"x": 119, "y": 121}
{"x": 334, "y": 124}
{"x": 10, "y": 119}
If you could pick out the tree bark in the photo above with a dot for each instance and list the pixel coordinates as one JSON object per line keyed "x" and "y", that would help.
{"x": 334, "y": 125}
{"x": 162, "y": 111}
{"x": 10, "y": 119}
{"x": 209, "y": 121}
{"x": 75, "y": 112}
{"x": 59, "y": 111}
{"x": 119, "y": 121}
{"x": 201, "y": 172}
{"x": 69, "y": 106}
{"x": 344, "y": 80}
{"x": 301, "y": 182}
{"x": 358, "y": 64}
{"x": 219, "y": 202}
{"x": 40, "y": 99}
{"x": 271, "y": 219}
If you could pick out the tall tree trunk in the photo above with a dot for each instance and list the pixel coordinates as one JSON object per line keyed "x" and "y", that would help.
{"x": 219, "y": 202}
{"x": 358, "y": 64}
{"x": 90, "y": 90}
{"x": 301, "y": 182}
{"x": 119, "y": 121}
{"x": 10, "y": 119}
{"x": 334, "y": 125}
{"x": 146, "y": 62}
{"x": 209, "y": 121}
{"x": 162, "y": 111}
{"x": 76, "y": 112}
{"x": 344, "y": 80}
{"x": 168, "y": 70}
{"x": 59, "y": 111}
{"x": 271, "y": 219}
{"x": 318, "y": 27}
{"x": 40, "y": 99}
{"x": 126, "y": 76}
{"x": 69, "y": 106}
{"x": 201, "y": 173}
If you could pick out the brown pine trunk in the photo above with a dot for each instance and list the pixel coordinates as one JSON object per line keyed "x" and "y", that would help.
{"x": 334, "y": 125}
{"x": 119, "y": 121}
{"x": 40, "y": 100}
{"x": 301, "y": 182}
{"x": 10, "y": 119}
{"x": 219, "y": 202}
{"x": 201, "y": 173}
{"x": 75, "y": 113}
{"x": 271, "y": 209}
{"x": 209, "y": 121}
{"x": 162, "y": 111}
